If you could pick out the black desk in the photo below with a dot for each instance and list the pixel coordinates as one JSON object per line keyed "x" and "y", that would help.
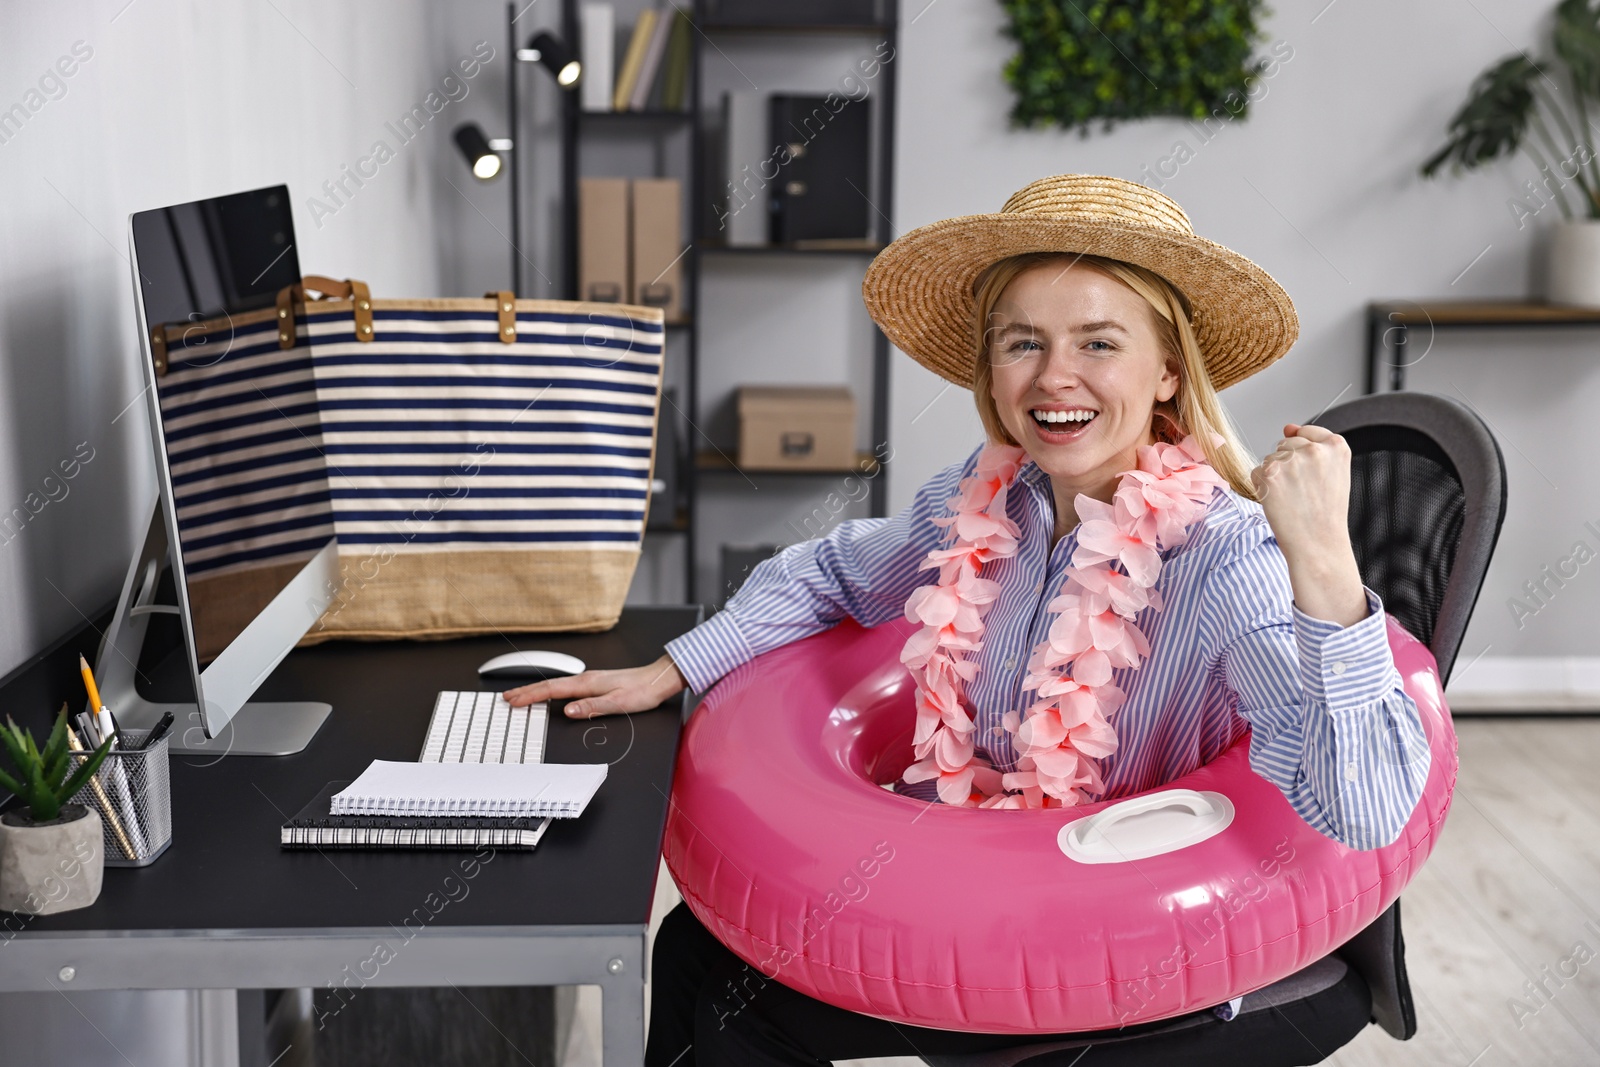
{"x": 226, "y": 908}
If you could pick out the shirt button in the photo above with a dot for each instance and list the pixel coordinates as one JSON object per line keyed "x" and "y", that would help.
{"x": 1011, "y": 663}
{"x": 1350, "y": 771}
{"x": 1039, "y": 588}
{"x": 1338, "y": 666}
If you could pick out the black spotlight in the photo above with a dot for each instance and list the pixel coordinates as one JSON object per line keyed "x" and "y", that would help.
{"x": 480, "y": 155}
{"x": 552, "y": 53}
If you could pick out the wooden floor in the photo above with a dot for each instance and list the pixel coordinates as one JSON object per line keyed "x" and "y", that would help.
{"x": 1509, "y": 900}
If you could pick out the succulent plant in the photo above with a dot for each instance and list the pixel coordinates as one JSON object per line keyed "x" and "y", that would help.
{"x": 42, "y": 778}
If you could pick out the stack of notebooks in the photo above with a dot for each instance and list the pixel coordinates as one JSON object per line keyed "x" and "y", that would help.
{"x": 444, "y": 805}
{"x": 654, "y": 74}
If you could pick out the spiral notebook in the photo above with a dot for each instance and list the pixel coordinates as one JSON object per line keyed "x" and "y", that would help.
{"x": 317, "y": 827}
{"x": 517, "y": 790}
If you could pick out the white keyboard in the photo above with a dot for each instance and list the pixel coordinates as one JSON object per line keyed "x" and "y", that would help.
{"x": 483, "y": 728}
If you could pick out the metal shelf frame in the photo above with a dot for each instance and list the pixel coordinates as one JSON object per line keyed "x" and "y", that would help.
{"x": 575, "y": 122}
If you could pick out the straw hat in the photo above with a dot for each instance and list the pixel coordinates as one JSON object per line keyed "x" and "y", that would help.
{"x": 919, "y": 288}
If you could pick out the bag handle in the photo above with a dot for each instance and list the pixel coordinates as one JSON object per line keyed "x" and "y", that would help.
{"x": 505, "y": 305}
{"x": 325, "y": 288}
{"x": 158, "y": 349}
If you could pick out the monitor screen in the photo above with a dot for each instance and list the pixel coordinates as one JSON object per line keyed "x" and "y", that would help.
{"x": 237, "y": 410}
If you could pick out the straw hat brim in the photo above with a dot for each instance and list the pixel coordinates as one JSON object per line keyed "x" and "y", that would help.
{"x": 919, "y": 288}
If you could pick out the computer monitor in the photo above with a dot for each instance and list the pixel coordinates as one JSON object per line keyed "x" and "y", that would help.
{"x": 243, "y": 514}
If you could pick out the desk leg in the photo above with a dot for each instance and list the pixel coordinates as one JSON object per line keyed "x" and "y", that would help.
{"x": 252, "y": 1009}
{"x": 622, "y": 1009}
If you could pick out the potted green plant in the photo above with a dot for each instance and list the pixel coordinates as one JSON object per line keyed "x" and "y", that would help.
{"x": 1505, "y": 110}
{"x": 51, "y": 857}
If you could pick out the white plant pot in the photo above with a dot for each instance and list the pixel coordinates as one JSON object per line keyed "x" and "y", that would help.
{"x": 1574, "y": 264}
{"x": 53, "y": 866}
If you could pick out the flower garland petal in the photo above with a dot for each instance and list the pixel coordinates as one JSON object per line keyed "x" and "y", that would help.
{"x": 1061, "y": 736}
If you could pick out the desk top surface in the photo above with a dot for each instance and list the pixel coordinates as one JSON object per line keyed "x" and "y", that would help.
{"x": 226, "y": 871}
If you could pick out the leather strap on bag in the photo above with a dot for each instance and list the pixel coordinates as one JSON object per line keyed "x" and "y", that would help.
{"x": 158, "y": 349}
{"x": 505, "y": 304}
{"x": 357, "y": 293}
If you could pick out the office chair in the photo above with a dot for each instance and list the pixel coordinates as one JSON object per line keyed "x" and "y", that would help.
{"x": 1427, "y": 500}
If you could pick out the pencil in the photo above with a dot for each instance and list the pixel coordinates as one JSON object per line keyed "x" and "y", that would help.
{"x": 88, "y": 683}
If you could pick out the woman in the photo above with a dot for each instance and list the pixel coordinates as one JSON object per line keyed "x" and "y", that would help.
{"x": 1094, "y": 328}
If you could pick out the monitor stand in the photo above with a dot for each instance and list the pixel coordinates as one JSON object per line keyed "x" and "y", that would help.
{"x": 256, "y": 729}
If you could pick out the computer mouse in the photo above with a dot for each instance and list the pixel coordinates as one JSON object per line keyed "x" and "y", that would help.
{"x": 532, "y": 664}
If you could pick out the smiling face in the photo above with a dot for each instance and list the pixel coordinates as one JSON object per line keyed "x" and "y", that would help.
{"x": 1076, "y": 372}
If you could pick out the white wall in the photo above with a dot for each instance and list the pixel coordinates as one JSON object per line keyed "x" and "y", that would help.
{"x": 178, "y": 99}
{"x": 1319, "y": 185}
{"x": 188, "y": 99}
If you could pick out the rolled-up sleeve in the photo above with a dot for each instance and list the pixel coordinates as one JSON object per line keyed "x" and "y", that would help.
{"x": 864, "y": 569}
{"x": 1332, "y": 726}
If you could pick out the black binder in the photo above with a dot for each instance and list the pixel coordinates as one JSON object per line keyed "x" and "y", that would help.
{"x": 314, "y": 827}
{"x": 820, "y": 193}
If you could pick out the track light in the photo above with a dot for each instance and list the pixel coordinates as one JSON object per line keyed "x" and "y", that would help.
{"x": 480, "y": 152}
{"x": 552, "y": 53}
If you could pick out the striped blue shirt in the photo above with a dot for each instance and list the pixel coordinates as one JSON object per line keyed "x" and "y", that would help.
{"x": 1230, "y": 650}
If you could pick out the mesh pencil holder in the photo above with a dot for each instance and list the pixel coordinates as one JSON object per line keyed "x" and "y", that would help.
{"x": 132, "y": 791}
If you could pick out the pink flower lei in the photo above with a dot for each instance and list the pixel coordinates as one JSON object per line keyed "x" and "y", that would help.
{"x": 1065, "y": 731}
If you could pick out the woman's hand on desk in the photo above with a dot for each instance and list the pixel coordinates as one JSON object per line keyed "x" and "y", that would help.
{"x": 606, "y": 692}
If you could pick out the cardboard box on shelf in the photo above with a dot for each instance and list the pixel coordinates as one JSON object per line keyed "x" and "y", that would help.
{"x": 657, "y": 245}
{"x": 796, "y": 427}
{"x": 603, "y": 240}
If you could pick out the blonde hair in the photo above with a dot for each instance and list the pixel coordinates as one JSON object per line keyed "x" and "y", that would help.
{"x": 1195, "y": 407}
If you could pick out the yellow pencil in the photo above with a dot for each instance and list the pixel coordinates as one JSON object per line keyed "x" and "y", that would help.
{"x": 88, "y": 683}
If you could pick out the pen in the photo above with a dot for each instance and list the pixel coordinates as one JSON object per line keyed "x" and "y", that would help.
{"x": 130, "y": 810}
{"x": 105, "y": 724}
{"x": 86, "y": 727}
{"x": 103, "y": 801}
{"x": 159, "y": 732}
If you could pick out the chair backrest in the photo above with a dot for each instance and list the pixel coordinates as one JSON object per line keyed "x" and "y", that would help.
{"x": 1427, "y": 500}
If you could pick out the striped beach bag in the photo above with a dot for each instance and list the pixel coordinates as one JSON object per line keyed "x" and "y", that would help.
{"x": 484, "y": 464}
{"x": 239, "y": 415}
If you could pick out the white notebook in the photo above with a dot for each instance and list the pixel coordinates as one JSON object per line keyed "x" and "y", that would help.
{"x": 561, "y": 790}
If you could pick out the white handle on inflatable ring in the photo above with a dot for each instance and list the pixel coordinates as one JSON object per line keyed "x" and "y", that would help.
{"x": 1103, "y": 820}
{"x": 1092, "y": 840}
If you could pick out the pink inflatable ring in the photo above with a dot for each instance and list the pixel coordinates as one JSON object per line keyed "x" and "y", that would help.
{"x": 786, "y": 848}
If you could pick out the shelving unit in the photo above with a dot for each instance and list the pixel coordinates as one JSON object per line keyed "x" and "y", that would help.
{"x": 702, "y": 463}
{"x": 1390, "y": 322}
